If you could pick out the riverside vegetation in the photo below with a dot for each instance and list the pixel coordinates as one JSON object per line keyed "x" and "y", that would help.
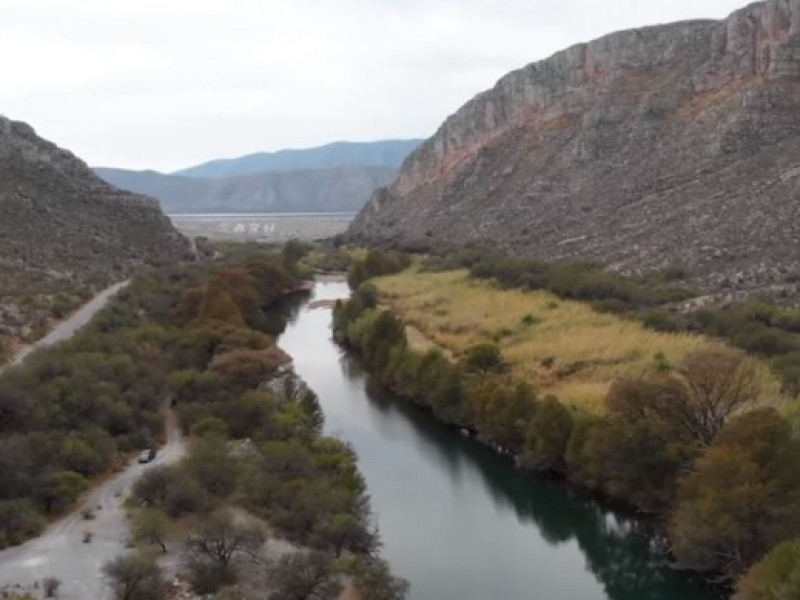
{"x": 201, "y": 335}
{"x": 691, "y": 431}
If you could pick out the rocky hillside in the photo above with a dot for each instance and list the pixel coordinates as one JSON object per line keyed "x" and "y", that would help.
{"x": 65, "y": 233}
{"x": 664, "y": 146}
{"x": 383, "y": 153}
{"x": 316, "y": 190}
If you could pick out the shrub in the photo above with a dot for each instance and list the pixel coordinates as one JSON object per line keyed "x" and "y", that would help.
{"x": 483, "y": 358}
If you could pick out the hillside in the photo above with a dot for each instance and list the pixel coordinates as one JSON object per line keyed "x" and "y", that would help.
{"x": 65, "y": 233}
{"x": 386, "y": 153}
{"x": 314, "y": 190}
{"x": 675, "y": 145}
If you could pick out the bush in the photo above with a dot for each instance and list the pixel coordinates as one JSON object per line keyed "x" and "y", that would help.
{"x": 483, "y": 358}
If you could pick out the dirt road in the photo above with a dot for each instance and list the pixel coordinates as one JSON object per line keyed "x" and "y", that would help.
{"x": 69, "y": 326}
{"x": 61, "y": 552}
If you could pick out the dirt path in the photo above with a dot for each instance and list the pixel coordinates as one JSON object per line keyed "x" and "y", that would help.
{"x": 69, "y": 326}
{"x": 60, "y": 551}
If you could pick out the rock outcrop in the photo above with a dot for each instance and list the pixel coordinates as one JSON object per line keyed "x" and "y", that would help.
{"x": 65, "y": 232}
{"x": 668, "y": 145}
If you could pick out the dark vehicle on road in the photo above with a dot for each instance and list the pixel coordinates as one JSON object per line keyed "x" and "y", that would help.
{"x": 147, "y": 455}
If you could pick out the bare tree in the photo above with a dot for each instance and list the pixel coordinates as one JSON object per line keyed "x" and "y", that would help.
{"x": 716, "y": 383}
{"x": 711, "y": 385}
{"x": 304, "y": 576}
{"x": 220, "y": 539}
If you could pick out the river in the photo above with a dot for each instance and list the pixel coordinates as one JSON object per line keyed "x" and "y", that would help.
{"x": 459, "y": 522}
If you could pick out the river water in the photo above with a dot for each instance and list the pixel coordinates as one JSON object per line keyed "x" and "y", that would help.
{"x": 459, "y": 522}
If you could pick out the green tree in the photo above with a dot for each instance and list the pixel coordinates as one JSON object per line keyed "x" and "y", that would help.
{"x": 743, "y": 497}
{"x": 548, "y": 434}
{"x": 151, "y": 526}
{"x": 483, "y": 358}
{"x": 211, "y": 426}
{"x": 775, "y": 577}
{"x": 135, "y": 577}
{"x": 59, "y": 489}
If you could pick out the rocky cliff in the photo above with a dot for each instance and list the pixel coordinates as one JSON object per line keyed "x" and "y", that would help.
{"x": 669, "y": 145}
{"x": 64, "y": 232}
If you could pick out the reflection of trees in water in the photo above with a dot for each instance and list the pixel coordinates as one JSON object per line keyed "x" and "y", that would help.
{"x": 619, "y": 551}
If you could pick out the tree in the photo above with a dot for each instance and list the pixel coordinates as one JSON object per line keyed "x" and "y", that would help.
{"x": 775, "y": 577}
{"x": 212, "y": 466}
{"x": 743, "y": 497}
{"x": 483, "y": 358}
{"x": 636, "y": 462}
{"x": 220, "y": 539}
{"x": 210, "y": 426}
{"x": 713, "y": 383}
{"x": 217, "y": 305}
{"x": 247, "y": 368}
{"x": 60, "y": 489}
{"x": 304, "y": 576}
{"x": 152, "y": 488}
{"x": 718, "y": 381}
{"x": 18, "y": 521}
{"x": 135, "y": 577}
{"x": 151, "y": 526}
{"x": 253, "y": 414}
{"x": 548, "y": 435}
{"x": 374, "y": 581}
{"x": 213, "y": 548}
{"x": 503, "y": 415}
{"x": 347, "y": 531}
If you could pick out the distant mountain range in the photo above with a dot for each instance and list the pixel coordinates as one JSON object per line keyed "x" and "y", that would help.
{"x": 338, "y": 177}
{"x": 313, "y": 190}
{"x": 386, "y": 153}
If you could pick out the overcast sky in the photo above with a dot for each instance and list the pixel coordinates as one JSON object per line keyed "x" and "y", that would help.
{"x": 165, "y": 84}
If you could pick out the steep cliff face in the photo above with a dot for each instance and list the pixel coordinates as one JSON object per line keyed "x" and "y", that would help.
{"x": 65, "y": 232}
{"x": 676, "y": 144}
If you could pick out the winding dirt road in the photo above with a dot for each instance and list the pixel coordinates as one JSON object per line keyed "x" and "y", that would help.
{"x": 69, "y": 326}
{"x": 61, "y": 552}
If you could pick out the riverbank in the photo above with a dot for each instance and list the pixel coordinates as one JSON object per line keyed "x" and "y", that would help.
{"x": 562, "y": 347}
{"x": 458, "y": 521}
{"x": 653, "y": 446}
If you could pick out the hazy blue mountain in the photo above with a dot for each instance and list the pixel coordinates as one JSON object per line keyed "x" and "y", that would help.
{"x": 386, "y": 153}
{"x": 311, "y": 190}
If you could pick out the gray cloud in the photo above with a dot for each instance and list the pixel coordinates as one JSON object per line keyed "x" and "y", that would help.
{"x": 167, "y": 83}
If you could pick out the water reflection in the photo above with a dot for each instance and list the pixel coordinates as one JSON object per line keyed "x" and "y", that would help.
{"x": 457, "y": 520}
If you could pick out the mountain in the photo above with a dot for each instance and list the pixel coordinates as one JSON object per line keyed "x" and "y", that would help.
{"x": 675, "y": 145}
{"x": 386, "y": 153}
{"x": 316, "y": 190}
{"x": 65, "y": 233}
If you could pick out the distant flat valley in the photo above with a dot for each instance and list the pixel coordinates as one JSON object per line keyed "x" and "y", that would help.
{"x": 263, "y": 227}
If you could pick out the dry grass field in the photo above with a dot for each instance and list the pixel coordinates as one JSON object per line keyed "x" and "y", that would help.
{"x": 565, "y": 348}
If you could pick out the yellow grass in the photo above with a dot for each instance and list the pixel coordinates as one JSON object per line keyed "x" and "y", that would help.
{"x": 588, "y": 349}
